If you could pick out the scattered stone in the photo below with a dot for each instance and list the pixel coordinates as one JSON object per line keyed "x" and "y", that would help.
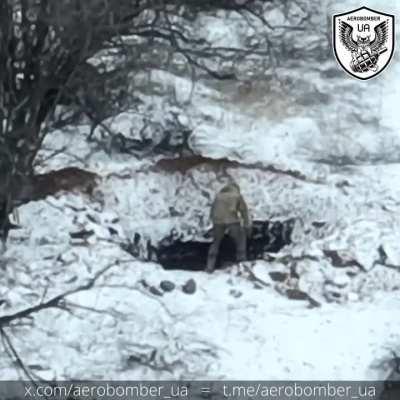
{"x": 37, "y": 367}
{"x": 318, "y": 224}
{"x": 278, "y": 276}
{"x": 93, "y": 218}
{"x": 296, "y": 294}
{"x": 155, "y": 291}
{"x": 174, "y": 213}
{"x": 332, "y": 295}
{"x": 113, "y": 232}
{"x": 134, "y": 359}
{"x": 131, "y": 248}
{"x": 83, "y": 234}
{"x": 44, "y": 241}
{"x": 167, "y": 286}
{"x": 236, "y": 293}
{"x": 340, "y": 260}
{"x": 388, "y": 257}
{"x": 248, "y": 269}
{"x": 352, "y": 272}
{"x": 189, "y": 287}
{"x": 109, "y": 218}
{"x": 144, "y": 283}
{"x": 313, "y": 303}
{"x": 382, "y": 255}
{"x": 335, "y": 290}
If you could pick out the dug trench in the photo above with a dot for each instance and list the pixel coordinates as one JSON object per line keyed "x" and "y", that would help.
{"x": 173, "y": 253}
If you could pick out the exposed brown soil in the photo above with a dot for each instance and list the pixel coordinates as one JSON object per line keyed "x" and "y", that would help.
{"x": 184, "y": 164}
{"x": 40, "y": 186}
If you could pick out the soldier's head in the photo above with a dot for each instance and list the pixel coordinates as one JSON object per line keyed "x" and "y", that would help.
{"x": 231, "y": 186}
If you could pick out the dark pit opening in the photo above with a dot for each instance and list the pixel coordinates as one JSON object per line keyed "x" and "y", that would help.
{"x": 267, "y": 236}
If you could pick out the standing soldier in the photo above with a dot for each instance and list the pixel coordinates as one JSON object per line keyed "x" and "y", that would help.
{"x": 229, "y": 214}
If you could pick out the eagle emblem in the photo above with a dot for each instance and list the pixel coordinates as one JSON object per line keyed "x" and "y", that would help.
{"x": 369, "y": 51}
{"x": 365, "y": 54}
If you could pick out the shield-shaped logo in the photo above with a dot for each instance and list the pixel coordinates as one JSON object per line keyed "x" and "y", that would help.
{"x": 363, "y": 41}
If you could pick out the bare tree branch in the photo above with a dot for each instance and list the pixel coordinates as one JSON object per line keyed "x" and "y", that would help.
{"x": 58, "y": 301}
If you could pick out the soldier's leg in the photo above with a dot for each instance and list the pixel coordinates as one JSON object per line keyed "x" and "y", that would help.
{"x": 238, "y": 234}
{"x": 218, "y": 234}
{"x": 15, "y": 215}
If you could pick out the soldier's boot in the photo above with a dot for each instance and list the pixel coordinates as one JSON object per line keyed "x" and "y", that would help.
{"x": 218, "y": 233}
{"x": 212, "y": 256}
{"x": 211, "y": 260}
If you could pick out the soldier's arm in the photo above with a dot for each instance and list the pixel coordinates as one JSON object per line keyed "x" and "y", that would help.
{"x": 212, "y": 211}
{"x": 244, "y": 212}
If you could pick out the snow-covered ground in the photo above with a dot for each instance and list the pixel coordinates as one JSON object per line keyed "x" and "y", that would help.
{"x": 347, "y": 150}
{"x": 227, "y": 329}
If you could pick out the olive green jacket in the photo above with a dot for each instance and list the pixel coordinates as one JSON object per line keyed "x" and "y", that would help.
{"x": 229, "y": 207}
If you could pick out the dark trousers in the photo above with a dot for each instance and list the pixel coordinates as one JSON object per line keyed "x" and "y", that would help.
{"x": 236, "y": 232}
